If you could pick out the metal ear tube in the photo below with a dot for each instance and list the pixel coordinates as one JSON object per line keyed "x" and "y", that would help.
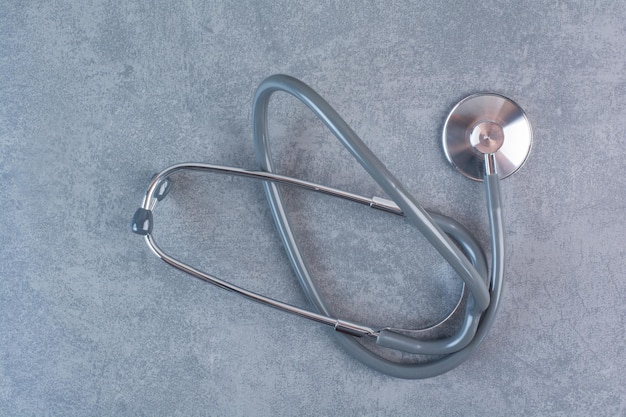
{"x": 486, "y": 137}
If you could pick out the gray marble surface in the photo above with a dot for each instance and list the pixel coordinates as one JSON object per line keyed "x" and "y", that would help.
{"x": 97, "y": 96}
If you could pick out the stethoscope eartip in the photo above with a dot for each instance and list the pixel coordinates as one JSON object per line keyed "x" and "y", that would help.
{"x": 163, "y": 189}
{"x": 141, "y": 222}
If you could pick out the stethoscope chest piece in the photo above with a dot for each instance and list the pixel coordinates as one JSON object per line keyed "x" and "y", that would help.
{"x": 486, "y": 124}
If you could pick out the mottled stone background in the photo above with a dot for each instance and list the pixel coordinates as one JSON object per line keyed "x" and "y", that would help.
{"x": 97, "y": 96}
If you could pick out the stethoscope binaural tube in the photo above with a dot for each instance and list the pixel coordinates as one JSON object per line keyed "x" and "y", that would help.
{"x": 480, "y": 153}
{"x": 143, "y": 223}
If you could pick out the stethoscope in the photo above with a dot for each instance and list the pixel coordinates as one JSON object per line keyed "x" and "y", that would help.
{"x": 486, "y": 137}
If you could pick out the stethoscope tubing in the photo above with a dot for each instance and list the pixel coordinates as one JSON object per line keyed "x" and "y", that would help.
{"x": 455, "y": 349}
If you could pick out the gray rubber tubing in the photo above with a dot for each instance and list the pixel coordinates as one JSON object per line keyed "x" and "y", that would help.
{"x": 484, "y": 289}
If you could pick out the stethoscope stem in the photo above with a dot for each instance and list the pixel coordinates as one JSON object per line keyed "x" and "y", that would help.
{"x": 490, "y": 164}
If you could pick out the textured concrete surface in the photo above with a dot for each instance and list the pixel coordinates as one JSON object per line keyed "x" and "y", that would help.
{"x": 97, "y": 96}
